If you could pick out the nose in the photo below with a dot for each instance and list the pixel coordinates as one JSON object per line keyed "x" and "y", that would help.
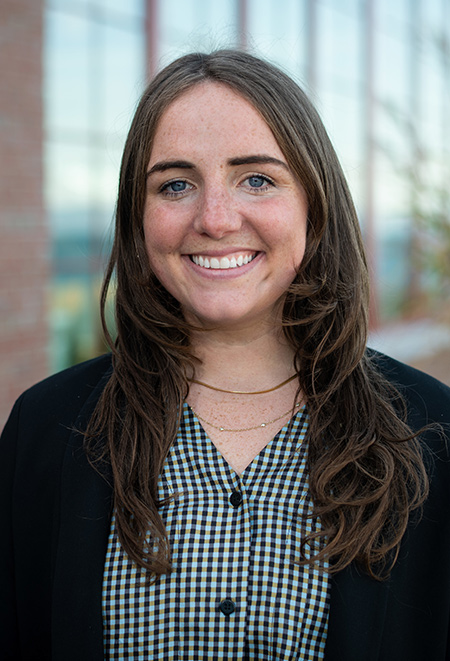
{"x": 217, "y": 215}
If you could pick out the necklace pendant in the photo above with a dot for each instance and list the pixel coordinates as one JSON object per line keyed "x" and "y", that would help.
{"x": 263, "y": 424}
{"x": 222, "y": 428}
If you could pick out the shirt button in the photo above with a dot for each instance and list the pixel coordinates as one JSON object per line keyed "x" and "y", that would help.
{"x": 236, "y": 498}
{"x": 227, "y": 607}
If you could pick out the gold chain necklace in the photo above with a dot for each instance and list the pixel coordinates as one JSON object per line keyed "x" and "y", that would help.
{"x": 262, "y": 424}
{"x": 244, "y": 392}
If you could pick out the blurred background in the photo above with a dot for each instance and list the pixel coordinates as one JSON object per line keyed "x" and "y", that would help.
{"x": 71, "y": 74}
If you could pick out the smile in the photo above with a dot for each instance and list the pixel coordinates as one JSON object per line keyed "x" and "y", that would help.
{"x": 233, "y": 262}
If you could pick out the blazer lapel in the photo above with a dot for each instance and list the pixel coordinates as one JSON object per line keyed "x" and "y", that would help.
{"x": 357, "y": 614}
{"x": 83, "y": 535}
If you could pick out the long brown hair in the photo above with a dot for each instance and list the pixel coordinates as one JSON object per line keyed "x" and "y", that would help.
{"x": 366, "y": 473}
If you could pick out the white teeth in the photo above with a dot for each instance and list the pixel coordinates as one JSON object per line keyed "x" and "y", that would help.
{"x": 222, "y": 263}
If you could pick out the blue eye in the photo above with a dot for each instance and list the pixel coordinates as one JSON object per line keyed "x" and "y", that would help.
{"x": 176, "y": 186}
{"x": 257, "y": 182}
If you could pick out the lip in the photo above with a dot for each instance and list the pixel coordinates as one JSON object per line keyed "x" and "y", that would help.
{"x": 224, "y": 252}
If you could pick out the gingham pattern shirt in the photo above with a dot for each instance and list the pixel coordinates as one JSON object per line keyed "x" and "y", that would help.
{"x": 234, "y": 591}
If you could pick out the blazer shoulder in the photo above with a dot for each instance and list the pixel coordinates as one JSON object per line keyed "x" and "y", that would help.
{"x": 73, "y": 380}
{"x": 59, "y": 398}
{"x": 427, "y": 398}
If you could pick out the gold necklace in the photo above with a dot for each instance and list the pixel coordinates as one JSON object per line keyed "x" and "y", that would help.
{"x": 244, "y": 392}
{"x": 262, "y": 424}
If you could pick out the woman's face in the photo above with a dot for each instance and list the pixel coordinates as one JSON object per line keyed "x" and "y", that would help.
{"x": 225, "y": 219}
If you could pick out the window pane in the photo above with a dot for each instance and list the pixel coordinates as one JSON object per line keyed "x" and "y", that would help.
{"x": 122, "y": 77}
{"x": 67, "y": 75}
{"x": 278, "y": 35}
{"x": 188, "y": 25}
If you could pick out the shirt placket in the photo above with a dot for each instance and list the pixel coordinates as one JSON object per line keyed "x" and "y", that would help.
{"x": 231, "y": 570}
{"x": 214, "y": 615}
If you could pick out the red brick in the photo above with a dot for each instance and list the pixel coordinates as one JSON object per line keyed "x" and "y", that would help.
{"x": 24, "y": 246}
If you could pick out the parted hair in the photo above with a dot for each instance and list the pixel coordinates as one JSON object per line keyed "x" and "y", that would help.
{"x": 366, "y": 472}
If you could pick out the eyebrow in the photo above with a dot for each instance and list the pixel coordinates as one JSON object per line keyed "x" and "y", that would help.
{"x": 257, "y": 158}
{"x": 162, "y": 166}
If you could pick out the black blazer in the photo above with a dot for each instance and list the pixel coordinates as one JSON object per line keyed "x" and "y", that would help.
{"x": 55, "y": 517}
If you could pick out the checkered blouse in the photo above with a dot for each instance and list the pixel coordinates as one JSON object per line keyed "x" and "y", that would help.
{"x": 235, "y": 591}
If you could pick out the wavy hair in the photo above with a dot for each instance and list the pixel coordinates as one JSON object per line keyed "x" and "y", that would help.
{"x": 366, "y": 473}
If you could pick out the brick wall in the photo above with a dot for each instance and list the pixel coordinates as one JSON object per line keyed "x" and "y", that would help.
{"x": 24, "y": 242}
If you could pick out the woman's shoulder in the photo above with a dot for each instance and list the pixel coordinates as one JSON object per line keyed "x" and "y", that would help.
{"x": 427, "y": 402}
{"x": 85, "y": 375}
{"x": 62, "y": 396}
{"x": 423, "y": 393}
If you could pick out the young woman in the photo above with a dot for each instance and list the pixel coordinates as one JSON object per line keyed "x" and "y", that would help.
{"x": 242, "y": 477}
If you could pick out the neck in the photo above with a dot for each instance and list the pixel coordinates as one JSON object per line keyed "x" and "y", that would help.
{"x": 245, "y": 360}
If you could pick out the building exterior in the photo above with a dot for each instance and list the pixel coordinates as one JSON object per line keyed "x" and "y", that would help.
{"x": 24, "y": 243}
{"x": 72, "y": 71}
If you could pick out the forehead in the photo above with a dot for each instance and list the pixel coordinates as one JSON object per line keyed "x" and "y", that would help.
{"x": 212, "y": 116}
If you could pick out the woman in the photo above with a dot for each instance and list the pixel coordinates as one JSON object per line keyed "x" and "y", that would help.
{"x": 244, "y": 479}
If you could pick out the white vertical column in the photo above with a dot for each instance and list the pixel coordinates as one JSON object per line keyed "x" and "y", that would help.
{"x": 242, "y": 24}
{"x": 152, "y": 37}
{"x": 312, "y": 55}
{"x": 369, "y": 206}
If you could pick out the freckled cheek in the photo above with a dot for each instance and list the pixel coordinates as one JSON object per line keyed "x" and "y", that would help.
{"x": 289, "y": 237}
{"x": 161, "y": 236}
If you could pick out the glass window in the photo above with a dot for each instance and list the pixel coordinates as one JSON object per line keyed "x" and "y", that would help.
{"x": 392, "y": 72}
{"x": 67, "y": 79}
{"x": 339, "y": 49}
{"x": 433, "y": 16}
{"x": 94, "y": 74}
{"x": 122, "y": 75}
{"x": 68, "y": 185}
{"x": 132, "y": 7}
{"x": 392, "y": 16}
{"x": 351, "y": 7}
{"x": 67, "y": 5}
{"x": 189, "y": 25}
{"x": 279, "y": 33}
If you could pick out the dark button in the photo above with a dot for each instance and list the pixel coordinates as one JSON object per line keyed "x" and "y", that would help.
{"x": 236, "y": 498}
{"x": 227, "y": 607}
